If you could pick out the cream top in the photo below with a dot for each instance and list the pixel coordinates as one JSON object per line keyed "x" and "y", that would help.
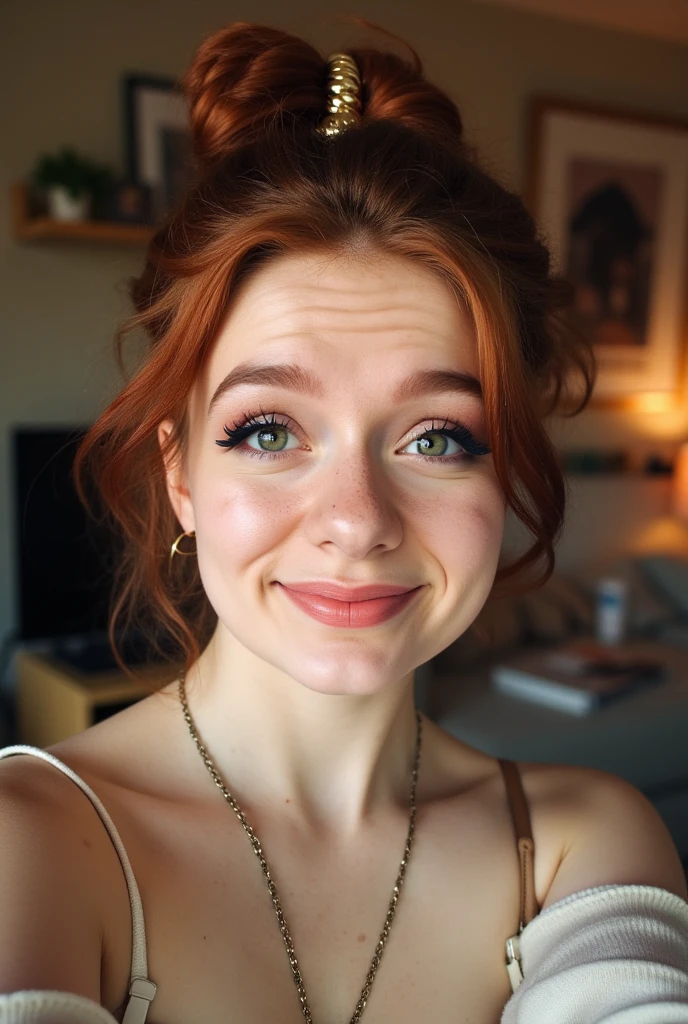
{"x": 614, "y": 954}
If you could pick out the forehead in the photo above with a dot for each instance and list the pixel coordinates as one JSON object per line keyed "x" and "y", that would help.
{"x": 345, "y": 316}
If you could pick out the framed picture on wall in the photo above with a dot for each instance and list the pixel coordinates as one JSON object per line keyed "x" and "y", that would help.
{"x": 158, "y": 149}
{"x": 609, "y": 192}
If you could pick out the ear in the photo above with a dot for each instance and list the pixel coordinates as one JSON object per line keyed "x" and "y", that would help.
{"x": 177, "y": 489}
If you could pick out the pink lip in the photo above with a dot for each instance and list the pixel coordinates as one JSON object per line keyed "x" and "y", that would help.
{"x": 350, "y": 607}
{"x": 342, "y": 592}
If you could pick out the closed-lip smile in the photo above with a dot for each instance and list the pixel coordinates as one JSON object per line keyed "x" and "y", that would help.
{"x": 344, "y": 592}
{"x": 344, "y": 605}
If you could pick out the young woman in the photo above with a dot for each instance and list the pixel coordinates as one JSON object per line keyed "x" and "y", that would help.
{"x": 354, "y": 338}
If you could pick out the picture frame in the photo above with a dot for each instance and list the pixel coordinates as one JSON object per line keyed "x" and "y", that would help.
{"x": 608, "y": 189}
{"x": 157, "y": 139}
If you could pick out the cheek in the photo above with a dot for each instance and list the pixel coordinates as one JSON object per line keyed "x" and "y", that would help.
{"x": 240, "y": 519}
{"x": 462, "y": 533}
{"x": 462, "y": 526}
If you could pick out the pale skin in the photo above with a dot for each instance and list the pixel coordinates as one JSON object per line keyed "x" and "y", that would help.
{"x": 312, "y": 726}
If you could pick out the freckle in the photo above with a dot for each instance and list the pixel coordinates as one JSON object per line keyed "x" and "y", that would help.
{"x": 87, "y": 843}
{"x": 361, "y": 937}
{"x": 287, "y": 801}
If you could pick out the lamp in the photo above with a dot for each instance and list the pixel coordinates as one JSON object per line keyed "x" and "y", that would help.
{"x": 680, "y": 495}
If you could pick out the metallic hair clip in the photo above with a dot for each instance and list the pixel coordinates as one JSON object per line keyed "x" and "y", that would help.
{"x": 343, "y": 94}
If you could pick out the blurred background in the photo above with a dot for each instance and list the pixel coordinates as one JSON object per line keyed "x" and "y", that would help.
{"x": 582, "y": 106}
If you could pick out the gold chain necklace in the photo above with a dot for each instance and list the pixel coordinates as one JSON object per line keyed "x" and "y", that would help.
{"x": 258, "y": 850}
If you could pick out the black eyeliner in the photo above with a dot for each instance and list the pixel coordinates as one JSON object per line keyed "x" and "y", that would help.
{"x": 237, "y": 433}
{"x": 464, "y": 437}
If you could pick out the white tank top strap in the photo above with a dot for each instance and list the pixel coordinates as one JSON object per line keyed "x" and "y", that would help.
{"x": 141, "y": 990}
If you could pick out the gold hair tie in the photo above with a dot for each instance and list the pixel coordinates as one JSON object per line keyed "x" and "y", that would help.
{"x": 343, "y": 94}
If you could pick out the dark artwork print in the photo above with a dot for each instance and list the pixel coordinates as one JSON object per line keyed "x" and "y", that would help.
{"x": 613, "y": 210}
{"x": 176, "y": 165}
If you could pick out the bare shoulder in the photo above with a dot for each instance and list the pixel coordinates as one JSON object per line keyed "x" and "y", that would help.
{"x": 34, "y": 794}
{"x": 602, "y": 830}
{"x": 50, "y": 875}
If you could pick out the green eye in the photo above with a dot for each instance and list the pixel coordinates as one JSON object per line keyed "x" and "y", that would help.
{"x": 450, "y": 442}
{"x": 274, "y": 438}
{"x": 432, "y": 444}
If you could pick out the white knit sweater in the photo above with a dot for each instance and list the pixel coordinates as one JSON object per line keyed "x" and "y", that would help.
{"x": 615, "y": 954}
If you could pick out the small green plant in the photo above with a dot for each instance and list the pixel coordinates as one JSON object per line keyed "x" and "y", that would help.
{"x": 77, "y": 174}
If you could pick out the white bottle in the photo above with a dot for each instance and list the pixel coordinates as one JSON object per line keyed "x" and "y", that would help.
{"x": 611, "y": 611}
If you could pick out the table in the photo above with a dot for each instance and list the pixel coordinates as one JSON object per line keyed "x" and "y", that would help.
{"x": 56, "y": 700}
{"x": 643, "y": 738}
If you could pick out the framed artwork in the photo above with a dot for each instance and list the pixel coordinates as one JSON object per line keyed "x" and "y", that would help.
{"x": 609, "y": 192}
{"x": 158, "y": 149}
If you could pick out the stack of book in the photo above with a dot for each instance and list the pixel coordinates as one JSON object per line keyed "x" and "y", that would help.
{"x": 579, "y": 677}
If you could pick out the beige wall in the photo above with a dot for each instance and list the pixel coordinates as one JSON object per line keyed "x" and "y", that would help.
{"x": 60, "y": 68}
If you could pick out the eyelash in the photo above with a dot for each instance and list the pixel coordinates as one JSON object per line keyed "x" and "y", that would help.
{"x": 250, "y": 423}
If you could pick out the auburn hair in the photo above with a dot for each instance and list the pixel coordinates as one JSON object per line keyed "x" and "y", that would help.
{"x": 403, "y": 181}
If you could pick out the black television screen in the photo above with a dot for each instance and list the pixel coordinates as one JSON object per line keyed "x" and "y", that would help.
{"x": 62, "y": 554}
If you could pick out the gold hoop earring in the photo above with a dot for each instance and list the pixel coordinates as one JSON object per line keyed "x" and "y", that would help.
{"x": 175, "y": 550}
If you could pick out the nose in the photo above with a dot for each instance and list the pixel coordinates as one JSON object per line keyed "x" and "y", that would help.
{"x": 353, "y": 508}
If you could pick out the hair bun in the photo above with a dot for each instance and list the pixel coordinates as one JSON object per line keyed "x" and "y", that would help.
{"x": 245, "y": 76}
{"x": 396, "y": 90}
{"x": 241, "y": 78}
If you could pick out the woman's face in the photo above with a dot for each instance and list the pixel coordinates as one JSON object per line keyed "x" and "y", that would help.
{"x": 343, "y": 393}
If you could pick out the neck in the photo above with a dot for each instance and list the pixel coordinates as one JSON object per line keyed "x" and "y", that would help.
{"x": 336, "y": 759}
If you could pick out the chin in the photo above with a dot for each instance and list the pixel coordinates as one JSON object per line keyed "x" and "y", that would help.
{"x": 339, "y": 665}
{"x": 363, "y": 676}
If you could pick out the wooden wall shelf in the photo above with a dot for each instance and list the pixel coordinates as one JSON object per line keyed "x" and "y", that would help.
{"x": 28, "y": 228}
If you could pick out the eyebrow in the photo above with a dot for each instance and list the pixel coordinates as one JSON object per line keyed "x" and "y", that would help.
{"x": 295, "y": 378}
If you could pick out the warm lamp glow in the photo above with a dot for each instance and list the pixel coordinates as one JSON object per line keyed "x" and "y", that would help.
{"x": 681, "y": 482}
{"x": 652, "y": 402}
{"x": 665, "y": 534}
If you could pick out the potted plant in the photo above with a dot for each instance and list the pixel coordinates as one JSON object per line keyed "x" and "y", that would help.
{"x": 71, "y": 183}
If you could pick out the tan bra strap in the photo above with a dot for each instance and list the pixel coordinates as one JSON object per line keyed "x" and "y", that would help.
{"x": 520, "y": 816}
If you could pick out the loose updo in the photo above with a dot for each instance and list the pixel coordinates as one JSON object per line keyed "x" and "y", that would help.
{"x": 267, "y": 182}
